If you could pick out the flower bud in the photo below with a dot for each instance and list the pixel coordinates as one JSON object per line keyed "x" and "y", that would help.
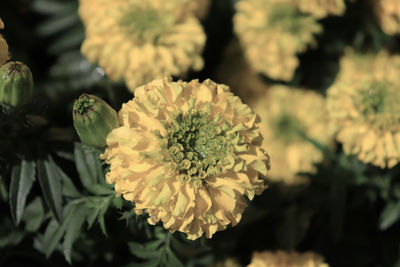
{"x": 16, "y": 84}
{"x": 93, "y": 120}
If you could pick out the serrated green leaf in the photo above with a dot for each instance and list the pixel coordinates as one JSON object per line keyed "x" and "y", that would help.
{"x": 22, "y": 178}
{"x": 50, "y": 176}
{"x": 99, "y": 189}
{"x": 57, "y": 23}
{"x": 118, "y": 202}
{"x": 55, "y": 231}
{"x": 72, "y": 231}
{"x": 141, "y": 252}
{"x": 34, "y": 215}
{"x": 69, "y": 189}
{"x": 68, "y": 40}
{"x": 171, "y": 259}
{"x": 99, "y": 206}
{"x": 53, "y": 7}
{"x": 88, "y": 165}
{"x": 389, "y": 215}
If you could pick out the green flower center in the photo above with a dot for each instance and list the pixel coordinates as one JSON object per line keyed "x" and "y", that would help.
{"x": 145, "y": 24}
{"x": 288, "y": 128}
{"x": 83, "y": 104}
{"x": 199, "y": 147}
{"x": 379, "y": 104}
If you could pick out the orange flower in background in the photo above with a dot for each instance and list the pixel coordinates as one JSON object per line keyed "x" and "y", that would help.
{"x": 289, "y": 118}
{"x": 286, "y": 259}
{"x": 127, "y": 38}
{"x": 4, "y": 54}
{"x": 272, "y": 33}
{"x": 363, "y": 104}
{"x": 187, "y": 154}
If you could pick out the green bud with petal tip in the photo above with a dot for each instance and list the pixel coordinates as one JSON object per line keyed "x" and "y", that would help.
{"x": 16, "y": 84}
{"x": 94, "y": 119}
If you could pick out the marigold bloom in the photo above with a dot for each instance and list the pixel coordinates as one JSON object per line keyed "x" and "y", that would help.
{"x": 288, "y": 117}
{"x": 286, "y": 259}
{"x": 364, "y": 106}
{"x": 272, "y": 32}
{"x": 322, "y": 8}
{"x": 4, "y": 54}
{"x": 187, "y": 154}
{"x": 388, "y": 14}
{"x": 141, "y": 40}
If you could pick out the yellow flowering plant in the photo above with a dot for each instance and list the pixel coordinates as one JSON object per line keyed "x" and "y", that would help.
{"x": 322, "y": 8}
{"x": 126, "y": 37}
{"x": 286, "y": 259}
{"x": 388, "y": 15}
{"x": 4, "y": 54}
{"x": 363, "y": 105}
{"x": 289, "y": 119}
{"x": 187, "y": 154}
{"x": 272, "y": 33}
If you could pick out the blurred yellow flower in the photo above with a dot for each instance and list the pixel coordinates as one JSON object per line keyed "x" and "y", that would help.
{"x": 187, "y": 154}
{"x": 286, "y": 259}
{"x": 363, "y": 104}
{"x": 322, "y": 8}
{"x": 272, "y": 33}
{"x": 4, "y": 54}
{"x": 288, "y": 117}
{"x": 388, "y": 14}
{"x": 142, "y": 40}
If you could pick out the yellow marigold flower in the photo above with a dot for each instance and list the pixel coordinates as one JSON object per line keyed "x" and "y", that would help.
{"x": 187, "y": 154}
{"x": 288, "y": 117}
{"x": 4, "y": 54}
{"x": 141, "y": 40}
{"x": 322, "y": 8}
{"x": 272, "y": 32}
{"x": 388, "y": 14}
{"x": 364, "y": 106}
{"x": 286, "y": 259}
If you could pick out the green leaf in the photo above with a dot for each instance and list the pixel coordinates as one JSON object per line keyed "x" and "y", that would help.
{"x": 69, "y": 189}
{"x": 68, "y": 40}
{"x": 52, "y": 7}
{"x": 55, "y": 231}
{"x": 389, "y": 215}
{"x": 73, "y": 230}
{"x": 142, "y": 252}
{"x": 34, "y": 215}
{"x": 57, "y": 23}
{"x": 88, "y": 165}
{"x": 172, "y": 260}
{"x": 22, "y": 178}
{"x": 50, "y": 176}
{"x": 99, "y": 206}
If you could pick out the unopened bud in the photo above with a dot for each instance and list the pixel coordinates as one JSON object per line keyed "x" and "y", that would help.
{"x": 16, "y": 84}
{"x": 94, "y": 119}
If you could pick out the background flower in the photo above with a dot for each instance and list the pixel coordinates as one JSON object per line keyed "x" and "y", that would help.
{"x": 187, "y": 154}
{"x": 322, "y": 8}
{"x": 4, "y": 54}
{"x": 388, "y": 14}
{"x": 288, "y": 118}
{"x": 286, "y": 259}
{"x": 363, "y": 103}
{"x": 272, "y": 33}
{"x": 127, "y": 37}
